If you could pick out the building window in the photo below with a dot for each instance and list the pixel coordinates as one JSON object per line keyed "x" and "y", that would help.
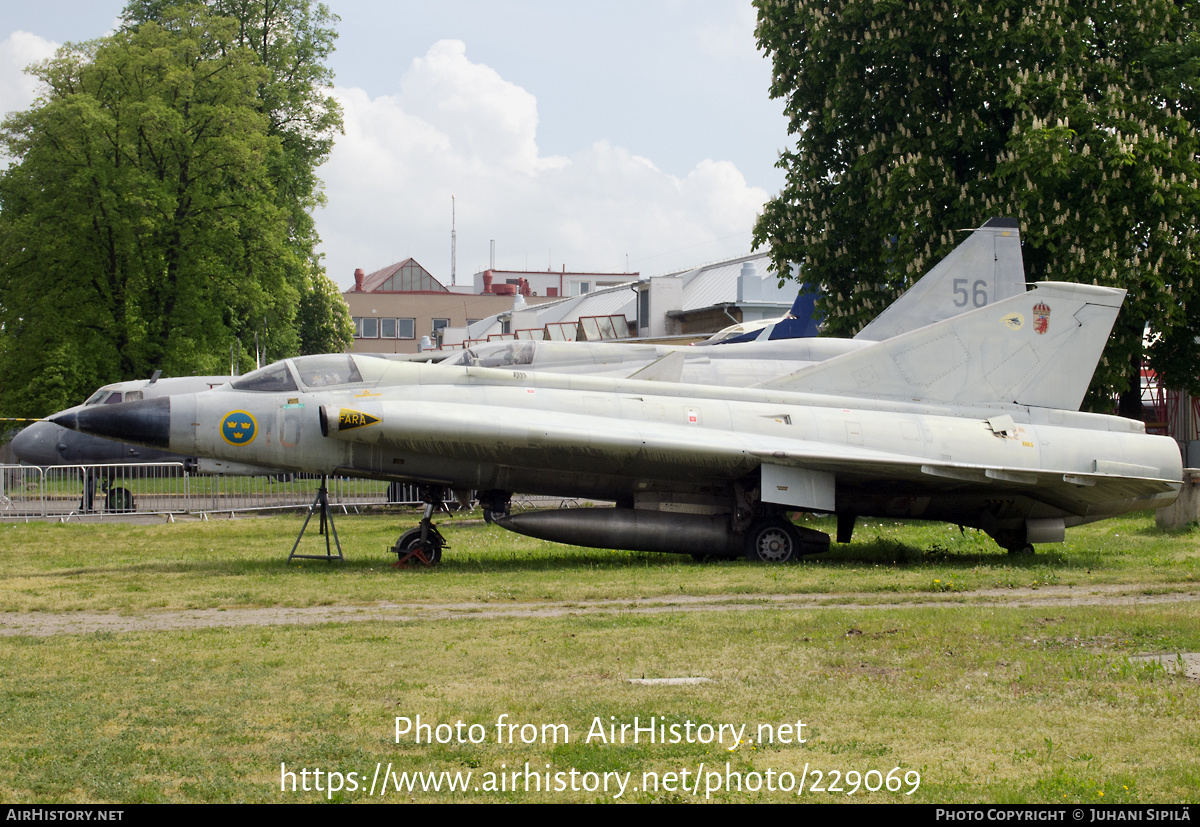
{"x": 440, "y": 324}
{"x": 368, "y": 327}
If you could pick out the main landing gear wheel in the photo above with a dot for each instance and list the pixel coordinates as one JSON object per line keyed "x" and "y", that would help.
{"x": 1025, "y": 550}
{"x": 772, "y": 540}
{"x": 118, "y": 500}
{"x": 409, "y": 550}
{"x": 496, "y": 505}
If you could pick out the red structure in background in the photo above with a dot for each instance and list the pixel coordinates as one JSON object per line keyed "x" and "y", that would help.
{"x": 1171, "y": 413}
{"x": 1154, "y": 403}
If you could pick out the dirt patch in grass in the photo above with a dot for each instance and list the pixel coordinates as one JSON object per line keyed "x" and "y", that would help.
{"x": 1184, "y": 663}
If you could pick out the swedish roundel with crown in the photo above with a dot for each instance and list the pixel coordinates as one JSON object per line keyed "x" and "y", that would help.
{"x": 1041, "y": 317}
{"x": 239, "y": 428}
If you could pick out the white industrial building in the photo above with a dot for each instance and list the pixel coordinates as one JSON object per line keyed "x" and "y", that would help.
{"x": 692, "y": 303}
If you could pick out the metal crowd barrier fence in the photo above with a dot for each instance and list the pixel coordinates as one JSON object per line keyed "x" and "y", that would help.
{"x": 94, "y": 490}
{"x": 21, "y": 491}
{"x": 219, "y": 493}
{"x": 69, "y": 491}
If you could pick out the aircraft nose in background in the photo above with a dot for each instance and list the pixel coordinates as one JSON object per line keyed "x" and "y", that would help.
{"x": 144, "y": 422}
{"x": 36, "y": 444}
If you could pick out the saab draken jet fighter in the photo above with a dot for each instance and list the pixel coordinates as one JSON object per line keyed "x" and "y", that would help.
{"x": 973, "y": 421}
{"x": 985, "y": 268}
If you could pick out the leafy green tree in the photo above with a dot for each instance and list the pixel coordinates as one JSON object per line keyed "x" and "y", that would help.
{"x": 322, "y": 319}
{"x": 142, "y": 225}
{"x": 917, "y": 119}
{"x": 292, "y": 40}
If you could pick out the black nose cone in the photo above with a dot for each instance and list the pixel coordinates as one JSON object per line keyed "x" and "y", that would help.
{"x": 144, "y": 422}
{"x": 35, "y": 445}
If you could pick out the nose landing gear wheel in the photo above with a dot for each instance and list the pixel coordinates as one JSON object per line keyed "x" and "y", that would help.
{"x": 772, "y": 540}
{"x": 409, "y": 550}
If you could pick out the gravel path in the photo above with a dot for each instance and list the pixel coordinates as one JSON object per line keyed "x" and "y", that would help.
{"x": 40, "y": 624}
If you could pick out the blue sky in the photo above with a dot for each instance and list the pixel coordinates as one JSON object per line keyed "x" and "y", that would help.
{"x": 577, "y": 135}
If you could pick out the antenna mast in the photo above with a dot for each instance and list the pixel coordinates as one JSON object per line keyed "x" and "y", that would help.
{"x": 453, "y": 242}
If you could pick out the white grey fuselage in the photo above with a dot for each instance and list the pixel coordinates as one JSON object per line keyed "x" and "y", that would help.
{"x": 972, "y": 419}
{"x": 737, "y": 366}
{"x": 589, "y": 437}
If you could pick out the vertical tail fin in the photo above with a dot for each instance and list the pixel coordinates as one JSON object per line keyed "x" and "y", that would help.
{"x": 1039, "y": 348}
{"x": 986, "y": 268}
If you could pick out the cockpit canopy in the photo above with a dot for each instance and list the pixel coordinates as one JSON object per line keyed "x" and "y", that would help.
{"x": 495, "y": 355}
{"x": 320, "y": 371}
{"x": 276, "y": 377}
{"x": 108, "y": 396}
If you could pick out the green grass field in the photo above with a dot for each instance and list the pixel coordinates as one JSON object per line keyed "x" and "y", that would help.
{"x": 923, "y": 667}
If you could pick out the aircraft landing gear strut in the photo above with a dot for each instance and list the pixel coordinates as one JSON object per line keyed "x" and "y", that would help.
{"x": 424, "y": 543}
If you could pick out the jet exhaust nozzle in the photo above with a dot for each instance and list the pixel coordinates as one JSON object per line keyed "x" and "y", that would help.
{"x": 142, "y": 422}
{"x": 630, "y": 529}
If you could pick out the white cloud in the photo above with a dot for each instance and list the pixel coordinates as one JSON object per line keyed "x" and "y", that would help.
{"x": 457, "y": 128}
{"x": 17, "y": 89}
